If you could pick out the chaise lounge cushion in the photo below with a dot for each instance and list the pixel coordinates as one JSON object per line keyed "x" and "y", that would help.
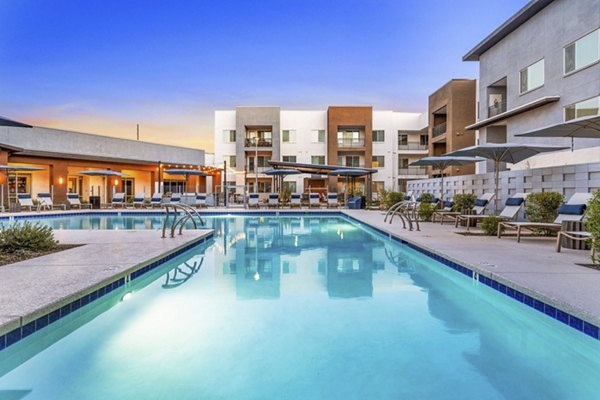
{"x": 514, "y": 201}
{"x": 572, "y": 209}
{"x": 448, "y": 204}
{"x": 481, "y": 203}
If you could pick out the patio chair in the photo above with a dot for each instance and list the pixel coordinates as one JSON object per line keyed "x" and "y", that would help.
{"x": 572, "y": 210}
{"x": 25, "y": 201}
{"x": 253, "y": 200}
{"x": 511, "y": 209}
{"x": 45, "y": 202}
{"x": 295, "y": 200}
{"x": 313, "y": 200}
{"x": 74, "y": 202}
{"x": 577, "y": 236}
{"x": 175, "y": 198}
{"x": 139, "y": 200}
{"x": 332, "y": 200}
{"x": 446, "y": 208}
{"x": 118, "y": 200}
{"x": 156, "y": 200}
{"x": 273, "y": 200}
{"x": 200, "y": 200}
{"x": 479, "y": 208}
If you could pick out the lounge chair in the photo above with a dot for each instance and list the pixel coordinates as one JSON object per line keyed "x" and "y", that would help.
{"x": 295, "y": 200}
{"x": 578, "y": 236}
{"x": 511, "y": 209}
{"x": 332, "y": 200}
{"x": 572, "y": 210}
{"x": 25, "y": 201}
{"x": 273, "y": 200}
{"x": 253, "y": 200}
{"x": 200, "y": 200}
{"x": 313, "y": 200}
{"x": 175, "y": 198}
{"x": 74, "y": 202}
{"x": 45, "y": 202}
{"x": 118, "y": 200}
{"x": 479, "y": 208}
{"x": 446, "y": 208}
{"x": 156, "y": 200}
{"x": 139, "y": 200}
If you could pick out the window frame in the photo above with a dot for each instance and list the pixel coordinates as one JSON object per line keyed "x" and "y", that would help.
{"x": 575, "y": 104}
{"x": 324, "y": 160}
{"x": 382, "y": 131}
{"x": 574, "y": 42}
{"x": 530, "y": 89}
{"x": 286, "y": 155}
{"x": 379, "y": 165}
{"x": 291, "y": 136}
{"x": 318, "y": 132}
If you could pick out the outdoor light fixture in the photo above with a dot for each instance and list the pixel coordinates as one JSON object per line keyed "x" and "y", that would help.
{"x": 127, "y": 296}
{"x": 116, "y": 182}
{"x": 60, "y": 180}
{"x": 256, "y": 276}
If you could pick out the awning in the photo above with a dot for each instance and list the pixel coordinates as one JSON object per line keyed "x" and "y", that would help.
{"x": 542, "y": 101}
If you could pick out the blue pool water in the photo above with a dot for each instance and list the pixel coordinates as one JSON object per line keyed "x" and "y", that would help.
{"x": 302, "y": 308}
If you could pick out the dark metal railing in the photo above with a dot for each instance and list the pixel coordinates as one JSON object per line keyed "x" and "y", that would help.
{"x": 497, "y": 108}
{"x": 258, "y": 142}
{"x": 413, "y": 146}
{"x": 439, "y": 129}
{"x": 360, "y": 142}
{"x": 412, "y": 171}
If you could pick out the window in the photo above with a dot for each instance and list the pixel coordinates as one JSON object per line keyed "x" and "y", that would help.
{"x": 378, "y": 162}
{"x": 402, "y": 139}
{"x": 377, "y": 187}
{"x": 228, "y": 136}
{"x": 291, "y": 186}
{"x": 317, "y": 136}
{"x": 317, "y": 160}
{"x": 262, "y": 163}
{"x": 582, "y": 52}
{"x": 349, "y": 161}
{"x": 584, "y": 108}
{"x": 532, "y": 77}
{"x": 288, "y": 136}
{"x": 231, "y": 161}
{"x": 350, "y": 137}
{"x": 402, "y": 162}
{"x": 378, "y": 136}
{"x": 288, "y": 158}
{"x": 424, "y": 140}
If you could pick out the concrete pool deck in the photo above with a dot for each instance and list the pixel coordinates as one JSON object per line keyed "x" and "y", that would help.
{"x": 532, "y": 266}
{"x": 34, "y": 287}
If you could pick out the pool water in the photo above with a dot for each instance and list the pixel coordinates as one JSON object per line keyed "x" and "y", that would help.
{"x": 302, "y": 308}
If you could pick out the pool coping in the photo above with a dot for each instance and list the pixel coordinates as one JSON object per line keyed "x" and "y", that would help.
{"x": 574, "y": 318}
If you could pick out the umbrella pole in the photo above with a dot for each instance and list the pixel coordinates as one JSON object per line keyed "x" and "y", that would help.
{"x": 497, "y": 185}
{"x": 442, "y": 184}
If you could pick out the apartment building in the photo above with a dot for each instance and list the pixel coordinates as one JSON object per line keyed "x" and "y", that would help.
{"x": 539, "y": 68}
{"x": 247, "y": 138}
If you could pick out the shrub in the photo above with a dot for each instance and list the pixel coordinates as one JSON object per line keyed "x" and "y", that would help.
{"x": 490, "y": 225}
{"x": 593, "y": 224}
{"x": 26, "y": 238}
{"x": 463, "y": 202}
{"x": 426, "y": 208}
{"x": 391, "y": 198}
{"x": 543, "y": 207}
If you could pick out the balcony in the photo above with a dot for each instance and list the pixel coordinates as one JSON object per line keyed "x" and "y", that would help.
{"x": 497, "y": 108}
{"x": 259, "y": 142}
{"x": 412, "y": 171}
{"x": 360, "y": 142}
{"x": 260, "y": 170}
{"x": 413, "y": 146}
{"x": 438, "y": 130}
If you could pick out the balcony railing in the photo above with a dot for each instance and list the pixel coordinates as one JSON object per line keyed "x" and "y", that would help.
{"x": 413, "y": 146}
{"x": 412, "y": 171}
{"x": 258, "y": 142}
{"x": 497, "y": 108}
{"x": 439, "y": 129}
{"x": 260, "y": 170}
{"x": 352, "y": 166}
{"x": 360, "y": 142}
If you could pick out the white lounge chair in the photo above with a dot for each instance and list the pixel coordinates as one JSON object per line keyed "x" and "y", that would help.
{"x": 510, "y": 211}
{"x": 332, "y": 200}
{"x": 156, "y": 200}
{"x": 577, "y": 236}
{"x": 253, "y": 200}
{"x": 478, "y": 209}
{"x": 25, "y": 201}
{"x": 200, "y": 200}
{"x": 118, "y": 200}
{"x": 139, "y": 200}
{"x": 74, "y": 202}
{"x": 175, "y": 198}
{"x": 572, "y": 210}
{"x": 295, "y": 200}
{"x": 273, "y": 200}
{"x": 313, "y": 200}
{"x": 45, "y": 202}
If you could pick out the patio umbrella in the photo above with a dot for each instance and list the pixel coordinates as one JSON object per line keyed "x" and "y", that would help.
{"x": 15, "y": 168}
{"x": 443, "y": 162}
{"x": 587, "y": 127}
{"x": 503, "y": 152}
{"x": 281, "y": 174}
{"x": 103, "y": 173}
{"x": 352, "y": 173}
{"x": 186, "y": 173}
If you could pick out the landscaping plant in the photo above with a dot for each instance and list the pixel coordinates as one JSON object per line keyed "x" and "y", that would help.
{"x": 26, "y": 237}
{"x": 543, "y": 207}
{"x": 390, "y": 198}
{"x": 426, "y": 208}
{"x": 490, "y": 225}
{"x": 593, "y": 225}
{"x": 463, "y": 202}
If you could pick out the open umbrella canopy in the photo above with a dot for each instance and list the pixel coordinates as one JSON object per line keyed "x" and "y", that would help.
{"x": 184, "y": 172}
{"x": 282, "y": 172}
{"x": 349, "y": 172}
{"x": 588, "y": 127}
{"x": 101, "y": 172}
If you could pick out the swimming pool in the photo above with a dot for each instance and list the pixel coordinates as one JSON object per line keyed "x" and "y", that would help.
{"x": 302, "y": 307}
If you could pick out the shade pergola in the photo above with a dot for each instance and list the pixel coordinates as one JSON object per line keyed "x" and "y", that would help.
{"x": 184, "y": 172}
{"x": 443, "y": 162}
{"x": 281, "y": 174}
{"x": 587, "y": 127}
{"x": 15, "y": 168}
{"x": 349, "y": 173}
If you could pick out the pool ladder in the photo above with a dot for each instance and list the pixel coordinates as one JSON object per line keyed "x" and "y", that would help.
{"x": 174, "y": 210}
{"x": 408, "y": 211}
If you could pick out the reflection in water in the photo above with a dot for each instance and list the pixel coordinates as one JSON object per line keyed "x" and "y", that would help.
{"x": 182, "y": 273}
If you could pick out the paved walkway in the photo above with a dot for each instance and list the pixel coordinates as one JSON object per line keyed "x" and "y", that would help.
{"x": 34, "y": 287}
{"x": 531, "y": 266}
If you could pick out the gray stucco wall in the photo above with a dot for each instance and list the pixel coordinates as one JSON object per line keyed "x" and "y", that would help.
{"x": 256, "y": 116}
{"x": 543, "y": 36}
{"x": 88, "y": 145}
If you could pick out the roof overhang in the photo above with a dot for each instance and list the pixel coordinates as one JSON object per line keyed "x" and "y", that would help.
{"x": 10, "y": 122}
{"x": 49, "y": 154}
{"x": 542, "y": 101}
{"x": 4, "y": 146}
{"x": 518, "y": 19}
{"x": 314, "y": 168}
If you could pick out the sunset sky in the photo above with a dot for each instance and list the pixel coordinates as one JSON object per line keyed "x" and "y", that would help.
{"x": 103, "y": 66}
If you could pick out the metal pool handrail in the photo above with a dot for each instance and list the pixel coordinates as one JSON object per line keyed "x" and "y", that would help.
{"x": 189, "y": 214}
